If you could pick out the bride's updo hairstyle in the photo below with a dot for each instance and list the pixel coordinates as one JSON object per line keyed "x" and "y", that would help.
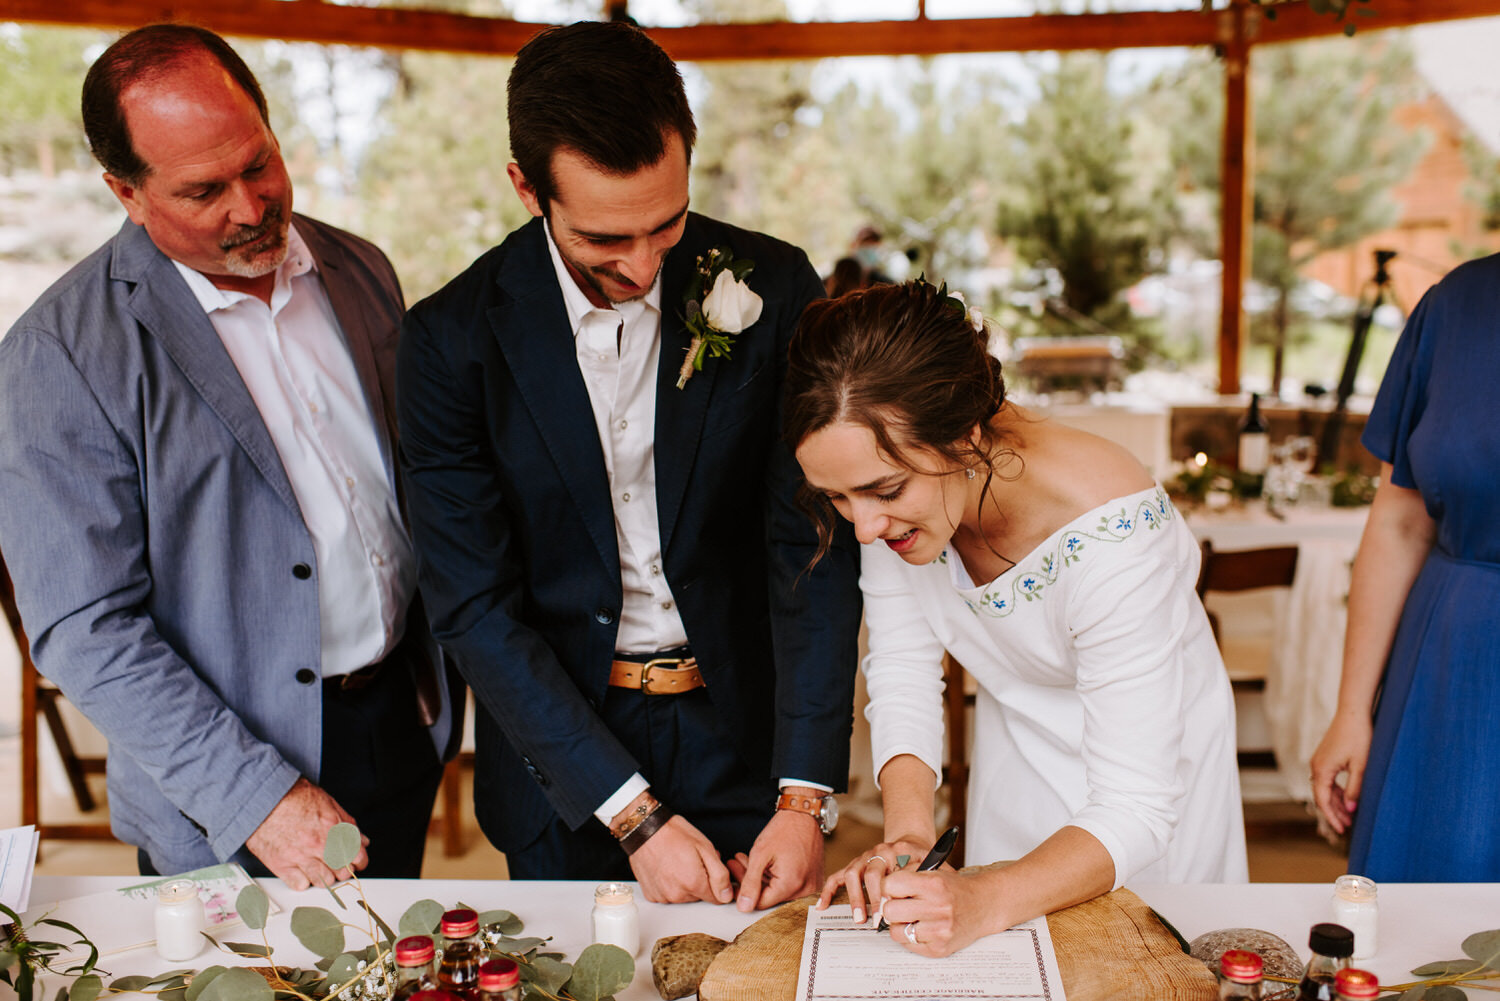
{"x": 904, "y": 361}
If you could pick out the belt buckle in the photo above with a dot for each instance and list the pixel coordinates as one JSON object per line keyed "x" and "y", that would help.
{"x": 664, "y": 662}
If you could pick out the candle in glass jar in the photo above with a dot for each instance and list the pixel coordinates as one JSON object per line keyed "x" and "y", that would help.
{"x": 616, "y": 920}
{"x": 180, "y": 920}
{"x": 1355, "y": 907}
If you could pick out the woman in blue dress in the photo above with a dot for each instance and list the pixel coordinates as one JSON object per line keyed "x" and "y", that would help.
{"x": 1416, "y": 734}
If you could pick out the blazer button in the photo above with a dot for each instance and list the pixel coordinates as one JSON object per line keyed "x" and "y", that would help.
{"x": 604, "y": 616}
{"x": 302, "y": 571}
{"x": 306, "y": 675}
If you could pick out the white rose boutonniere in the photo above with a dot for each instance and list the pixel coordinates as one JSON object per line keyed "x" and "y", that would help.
{"x": 727, "y": 308}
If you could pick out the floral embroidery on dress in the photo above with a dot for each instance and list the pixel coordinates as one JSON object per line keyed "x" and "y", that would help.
{"x": 1151, "y": 513}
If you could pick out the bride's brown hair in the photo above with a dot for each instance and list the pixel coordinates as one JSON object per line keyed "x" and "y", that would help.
{"x": 906, "y": 363}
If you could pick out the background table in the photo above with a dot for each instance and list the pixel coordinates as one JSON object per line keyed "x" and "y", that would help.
{"x": 1303, "y": 629}
{"x": 1419, "y": 922}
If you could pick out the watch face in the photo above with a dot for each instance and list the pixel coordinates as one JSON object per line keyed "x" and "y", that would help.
{"x": 830, "y": 816}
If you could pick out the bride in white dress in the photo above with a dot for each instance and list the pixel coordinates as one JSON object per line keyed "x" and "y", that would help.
{"x": 1051, "y": 566}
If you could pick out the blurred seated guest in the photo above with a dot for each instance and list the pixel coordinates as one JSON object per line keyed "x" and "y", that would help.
{"x": 847, "y": 277}
{"x": 869, "y": 250}
{"x": 1413, "y": 734}
{"x": 1049, "y": 564}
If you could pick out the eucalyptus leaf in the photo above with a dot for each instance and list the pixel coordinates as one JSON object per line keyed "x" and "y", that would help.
{"x": 86, "y": 988}
{"x": 1413, "y": 993}
{"x": 385, "y": 929}
{"x": 1483, "y": 946}
{"x": 341, "y": 846}
{"x": 1446, "y": 968}
{"x": 601, "y": 971}
{"x": 202, "y": 979}
{"x": 248, "y": 949}
{"x": 520, "y": 946}
{"x": 320, "y": 931}
{"x": 421, "y": 918}
{"x": 178, "y": 993}
{"x": 238, "y": 984}
{"x": 509, "y": 924}
{"x": 125, "y": 984}
{"x": 344, "y": 969}
{"x": 1444, "y": 992}
{"x": 547, "y": 974}
{"x": 166, "y": 979}
{"x": 253, "y": 906}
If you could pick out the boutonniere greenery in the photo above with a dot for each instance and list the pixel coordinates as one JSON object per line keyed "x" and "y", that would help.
{"x": 718, "y": 306}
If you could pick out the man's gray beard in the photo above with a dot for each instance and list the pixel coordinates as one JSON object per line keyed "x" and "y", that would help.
{"x": 261, "y": 264}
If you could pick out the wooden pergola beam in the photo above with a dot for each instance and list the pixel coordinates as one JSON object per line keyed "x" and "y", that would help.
{"x": 445, "y": 31}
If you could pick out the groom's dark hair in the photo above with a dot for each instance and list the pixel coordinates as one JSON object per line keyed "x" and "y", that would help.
{"x": 602, "y": 89}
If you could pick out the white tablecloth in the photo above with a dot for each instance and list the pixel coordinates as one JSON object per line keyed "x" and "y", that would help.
{"x": 1418, "y": 923}
{"x": 1305, "y": 628}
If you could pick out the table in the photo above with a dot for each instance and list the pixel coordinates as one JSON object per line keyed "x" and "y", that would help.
{"x": 1419, "y": 922}
{"x": 1304, "y": 628}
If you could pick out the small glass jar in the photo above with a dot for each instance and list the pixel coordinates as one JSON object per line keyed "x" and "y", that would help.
{"x": 616, "y": 920}
{"x": 180, "y": 920}
{"x": 500, "y": 980}
{"x": 458, "y": 970}
{"x": 1240, "y": 976}
{"x": 1355, "y": 985}
{"x": 1356, "y": 907}
{"x": 414, "y": 966}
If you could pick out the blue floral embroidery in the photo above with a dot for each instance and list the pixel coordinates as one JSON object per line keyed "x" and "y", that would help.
{"x": 1152, "y": 513}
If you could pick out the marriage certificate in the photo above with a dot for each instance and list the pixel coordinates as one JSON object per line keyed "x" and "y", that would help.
{"x": 843, "y": 961}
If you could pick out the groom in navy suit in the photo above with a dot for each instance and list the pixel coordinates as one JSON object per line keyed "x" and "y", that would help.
{"x": 619, "y": 565}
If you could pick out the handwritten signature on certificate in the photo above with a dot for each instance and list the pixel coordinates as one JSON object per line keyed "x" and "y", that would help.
{"x": 843, "y": 961}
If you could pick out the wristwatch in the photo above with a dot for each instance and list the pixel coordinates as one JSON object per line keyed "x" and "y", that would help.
{"x": 823, "y": 809}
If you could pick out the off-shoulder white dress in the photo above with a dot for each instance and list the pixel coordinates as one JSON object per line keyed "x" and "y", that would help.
{"x": 1103, "y": 702}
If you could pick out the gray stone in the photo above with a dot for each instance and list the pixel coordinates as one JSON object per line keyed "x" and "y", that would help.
{"x": 679, "y": 962}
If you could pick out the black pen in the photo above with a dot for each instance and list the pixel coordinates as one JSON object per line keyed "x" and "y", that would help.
{"x": 935, "y": 858}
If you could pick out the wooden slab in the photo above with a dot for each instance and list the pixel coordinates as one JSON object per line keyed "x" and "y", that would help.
{"x": 1109, "y": 948}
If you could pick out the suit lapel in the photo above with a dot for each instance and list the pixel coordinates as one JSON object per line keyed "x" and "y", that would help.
{"x": 165, "y": 306}
{"x": 679, "y": 412}
{"x": 531, "y": 327}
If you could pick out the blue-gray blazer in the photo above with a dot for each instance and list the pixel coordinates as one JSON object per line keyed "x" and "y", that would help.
{"x": 152, "y": 534}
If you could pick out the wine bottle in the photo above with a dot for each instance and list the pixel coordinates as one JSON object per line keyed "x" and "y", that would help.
{"x": 1255, "y": 440}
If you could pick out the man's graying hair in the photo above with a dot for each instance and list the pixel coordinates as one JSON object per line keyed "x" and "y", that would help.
{"x": 138, "y": 57}
{"x": 604, "y": 90}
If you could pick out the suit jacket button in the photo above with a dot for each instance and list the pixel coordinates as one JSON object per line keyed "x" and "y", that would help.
{"x": 604, "y": 616}
{"x": 306, "y": 675}
{"x": 302, "y": 571}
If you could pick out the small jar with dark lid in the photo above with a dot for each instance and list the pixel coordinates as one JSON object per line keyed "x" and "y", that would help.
{"x": 462, "y": 951}
{"x": 1331, "y": 946}
{"x": 1355, "y": 985}
{"x": 1240, "y": 973}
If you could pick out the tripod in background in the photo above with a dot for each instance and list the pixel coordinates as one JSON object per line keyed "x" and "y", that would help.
{"x": 1376, "y": 293}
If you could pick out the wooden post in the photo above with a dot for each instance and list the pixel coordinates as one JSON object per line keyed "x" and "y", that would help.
{"x": 1236, "y": 182}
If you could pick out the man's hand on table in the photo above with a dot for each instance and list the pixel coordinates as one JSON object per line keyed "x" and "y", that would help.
{"x": 785, "y": 862}
{"x": 289, "y": 842}
{"x": 678, "y": 864}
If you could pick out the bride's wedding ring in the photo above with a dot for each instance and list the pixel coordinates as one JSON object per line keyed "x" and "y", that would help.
{"x": 911, "y": 933}
{"x": 872, "y": 858}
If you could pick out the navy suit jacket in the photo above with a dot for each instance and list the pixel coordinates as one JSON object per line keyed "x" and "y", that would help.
{"x": 152, "y": 535}
{"x": 520, "y": 571}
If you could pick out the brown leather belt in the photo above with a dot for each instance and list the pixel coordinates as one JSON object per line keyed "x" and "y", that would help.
{"x": 356, "y": 680}
{"x": 659, "y": 676}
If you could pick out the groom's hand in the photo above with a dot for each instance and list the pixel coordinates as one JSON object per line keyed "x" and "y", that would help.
{"x": 785, "y": 862}
{"x": 678, "y": 864}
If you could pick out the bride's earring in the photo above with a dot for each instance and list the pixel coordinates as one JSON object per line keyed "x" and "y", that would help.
{"x": 969, "y": 473}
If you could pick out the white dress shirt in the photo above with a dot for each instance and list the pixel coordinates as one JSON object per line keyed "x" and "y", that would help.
{"x": 618, "y": 352}
{"x": 296, "y": 364}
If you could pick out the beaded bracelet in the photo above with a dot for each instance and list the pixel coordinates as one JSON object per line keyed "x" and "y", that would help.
{"x": 633, "y": 841}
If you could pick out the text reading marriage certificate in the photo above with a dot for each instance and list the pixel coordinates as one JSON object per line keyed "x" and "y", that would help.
{"x": 843, "y": 961}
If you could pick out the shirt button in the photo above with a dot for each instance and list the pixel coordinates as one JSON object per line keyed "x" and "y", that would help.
{"x": 349, "y": 482}
{"x": 624, "y": 425}
{"x": 625, "y": 497}
{"x": 377, "y": 559}
{"x": 312, "y": 407}
{"x": 301, "y": 571}
{"x": 655, "y": 570}
{"x": 666, "y": 606}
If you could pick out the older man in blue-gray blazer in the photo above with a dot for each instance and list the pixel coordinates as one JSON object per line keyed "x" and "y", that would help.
{"x": 197, "y": 493}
